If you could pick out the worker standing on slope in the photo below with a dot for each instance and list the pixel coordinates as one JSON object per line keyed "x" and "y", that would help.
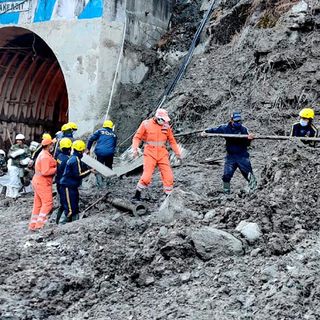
{"x": 237, "y": 152}
{"x": 65, "y": 147}
{"x": 305, "y": 127}
{"x": 105, "y": 147}
{"x": 45, "y": 168}
{"x": 18, "y": 153}
{"x": 70, "y": 182}
{"x": 155, "y": 132}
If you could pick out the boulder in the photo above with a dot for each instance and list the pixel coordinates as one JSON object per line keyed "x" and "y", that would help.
{"x": 249, "y": 230}
{"x": 175, "y": 206}
{"x": 211, "y": 242}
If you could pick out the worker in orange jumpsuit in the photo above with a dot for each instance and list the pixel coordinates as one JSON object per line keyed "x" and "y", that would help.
{"x": 155, "y": 132}
{"x": 45, "y": 168}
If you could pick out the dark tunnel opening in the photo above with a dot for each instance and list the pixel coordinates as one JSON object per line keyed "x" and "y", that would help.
{"x": 33, "y": 93}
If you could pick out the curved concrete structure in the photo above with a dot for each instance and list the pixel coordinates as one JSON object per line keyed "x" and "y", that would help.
{"x": 58, "y": 59}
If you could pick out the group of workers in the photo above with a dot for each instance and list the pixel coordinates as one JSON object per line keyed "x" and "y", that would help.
{"x": 59, "y": 160}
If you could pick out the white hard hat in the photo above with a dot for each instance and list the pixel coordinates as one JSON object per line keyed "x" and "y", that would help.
{"x": 2, "y": 152}
{"x": 20, "y": 136}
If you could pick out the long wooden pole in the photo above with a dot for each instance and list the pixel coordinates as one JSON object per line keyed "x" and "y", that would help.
{"x": 262, "y": 137}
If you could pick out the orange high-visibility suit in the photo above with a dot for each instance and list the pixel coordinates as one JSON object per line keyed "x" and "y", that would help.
{"x": 45, "y": 168}
{"x": 155, "y": 153}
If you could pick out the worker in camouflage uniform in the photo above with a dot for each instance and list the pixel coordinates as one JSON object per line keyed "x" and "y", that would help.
{"x": 19, "y": 157}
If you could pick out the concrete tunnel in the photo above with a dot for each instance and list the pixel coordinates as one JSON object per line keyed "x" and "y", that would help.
{"x": 33, "y": 93}
{"x": 59, "y": 60}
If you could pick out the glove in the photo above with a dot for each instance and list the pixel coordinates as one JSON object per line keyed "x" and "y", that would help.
{"x": 135, "y": 153}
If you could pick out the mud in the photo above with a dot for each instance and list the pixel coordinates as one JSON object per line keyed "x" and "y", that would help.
{"x": 113, "y": 265}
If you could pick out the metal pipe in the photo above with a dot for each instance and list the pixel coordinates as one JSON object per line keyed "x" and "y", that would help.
{"x": 125, "y": 205}
{"x": 262, "y": 137}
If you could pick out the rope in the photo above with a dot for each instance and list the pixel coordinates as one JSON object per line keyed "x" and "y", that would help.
{"x": 118, "y": 63}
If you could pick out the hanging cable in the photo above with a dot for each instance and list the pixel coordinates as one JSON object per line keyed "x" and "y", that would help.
{"x": 186, "y": 61}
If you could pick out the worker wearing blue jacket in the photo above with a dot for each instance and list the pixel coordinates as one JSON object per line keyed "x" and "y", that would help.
{"x": 70, "y": 182}
{"x": 64, "y": 155}
{"x": 105, "y": 147}
{"x": 66, "y": 132}
{"x": 237, "y": 152}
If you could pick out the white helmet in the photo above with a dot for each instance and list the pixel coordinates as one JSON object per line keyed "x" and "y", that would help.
{"x": 2, "y": 152}
{"x": 20, "y": 136}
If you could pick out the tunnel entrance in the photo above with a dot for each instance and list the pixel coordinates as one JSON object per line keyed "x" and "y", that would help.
{"x": 33, "y": 93}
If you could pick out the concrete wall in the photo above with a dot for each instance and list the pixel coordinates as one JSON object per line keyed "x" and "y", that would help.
{"x": 86, "y": 37}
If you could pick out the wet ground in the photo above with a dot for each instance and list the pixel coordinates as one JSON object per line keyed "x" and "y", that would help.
{"x": 186, "y": 258}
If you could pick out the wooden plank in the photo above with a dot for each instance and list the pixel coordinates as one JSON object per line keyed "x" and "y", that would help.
{"x": 128, "y": 167}
{"x": 98, "y": 166}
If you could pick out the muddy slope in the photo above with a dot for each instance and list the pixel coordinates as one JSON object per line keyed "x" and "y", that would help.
{"x": 165, "y": 265}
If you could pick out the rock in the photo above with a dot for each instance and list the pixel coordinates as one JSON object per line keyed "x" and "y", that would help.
{"x": 301, "y": 7}
{"x": 210, "y": 215}
{"x": 255, "y": 252}
{"x": 174, "y": 207}
{"x": 163, "y": 231}
{"x": 249, "y": 230}
{"x": 149, "y": 280}
{"x": 185, "y": 277}
{"x": 210, "y": 242}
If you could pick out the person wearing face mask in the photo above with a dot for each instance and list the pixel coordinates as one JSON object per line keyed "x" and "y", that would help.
{"x": 155, "y": 132}
{"x": 45, "y": 168}
{"x": 305, "y": 127}
{"x": 237, "y": 152}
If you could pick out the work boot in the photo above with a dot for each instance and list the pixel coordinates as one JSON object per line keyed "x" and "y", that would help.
{"x": 226, "y": 188}
{"x": 252, "y": 182}
{"x": 59, "y": 214}
{"x": 136, "y": 197}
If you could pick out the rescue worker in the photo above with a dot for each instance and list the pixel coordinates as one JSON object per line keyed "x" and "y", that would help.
{"x": 305, "y": 127}
{"x": 66, "y": 132}
{"x": 74, "y": 128}
{"x": 45, "y": 168}
{"x": 3, "y": 172}
{"x": 237, "y": 152}
{"x": 155, "y": 132}
{"x": 3, "y": 163}
{"x": 70, "y": 182}
{"x": 105, "y": 147}
{"x": 38, "y": 149}
{"x": 65, "y": 147}
{"x": 19, "y": 156}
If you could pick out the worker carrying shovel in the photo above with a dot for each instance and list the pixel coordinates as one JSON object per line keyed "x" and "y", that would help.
{"x": 155, "y": 133}
{"x": 237, "y": 152}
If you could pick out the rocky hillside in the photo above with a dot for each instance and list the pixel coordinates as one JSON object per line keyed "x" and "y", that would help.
{"x": 196, "y": 255}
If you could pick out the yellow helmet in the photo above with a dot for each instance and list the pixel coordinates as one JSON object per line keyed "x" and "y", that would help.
{"x": 65, "y": 143}
{"x": 79, "y": 145}
{"x": 73, "y": 125}
{"x": 66, "y": 127}
{"x": 46, "y": 136}
{"x": 307, "y": 113}
{"x": 108, "y": 124}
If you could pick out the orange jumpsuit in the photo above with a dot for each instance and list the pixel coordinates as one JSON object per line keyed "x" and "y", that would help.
{"x": 155, "y": 153}
{"x": 45, "y": 168}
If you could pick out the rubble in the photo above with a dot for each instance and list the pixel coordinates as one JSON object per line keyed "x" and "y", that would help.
{"x": 187, "y": 260}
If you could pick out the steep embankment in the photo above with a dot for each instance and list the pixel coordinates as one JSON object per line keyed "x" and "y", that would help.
{"x": 175, "y": 263}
